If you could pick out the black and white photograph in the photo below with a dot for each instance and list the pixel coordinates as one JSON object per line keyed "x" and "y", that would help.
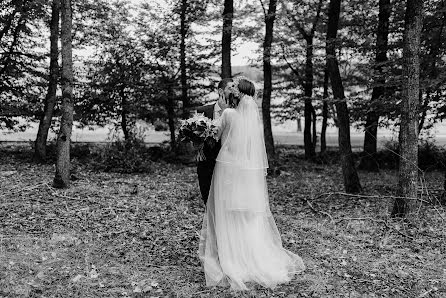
{"x": 221, "y": 148}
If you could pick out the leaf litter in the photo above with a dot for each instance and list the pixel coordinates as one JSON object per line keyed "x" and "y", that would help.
{"x": 136, "y": 235}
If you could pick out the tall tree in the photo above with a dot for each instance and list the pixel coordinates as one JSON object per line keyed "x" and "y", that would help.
{"x": 407, "y": 203}
{"x": 351, "y": 179}
{"x": 183, "y": 31}
{"x": 270, "y": 16}
{"x": 228, "y": 12}
{"x": 368, "y": 161}
{"x": 21, "y": 65}
{"x": 324, "y": 113}
{"x": 307, "y": 81}
{"x": 50, "y": 99}
{"x": 62, "y": 177}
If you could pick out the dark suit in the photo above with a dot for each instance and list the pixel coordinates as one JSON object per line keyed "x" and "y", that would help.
{"x": 205, "y": 168}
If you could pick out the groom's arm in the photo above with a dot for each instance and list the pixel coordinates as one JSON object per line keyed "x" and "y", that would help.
{"x": 207, "y": 110}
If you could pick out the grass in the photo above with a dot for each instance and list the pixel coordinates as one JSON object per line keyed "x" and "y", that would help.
{"x": 136, "y": 235}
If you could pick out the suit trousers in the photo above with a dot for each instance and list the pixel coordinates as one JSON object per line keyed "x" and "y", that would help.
{"x": 205, "y": 169}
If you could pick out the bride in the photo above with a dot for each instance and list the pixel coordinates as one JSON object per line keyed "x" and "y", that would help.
{"x": 239, "y": 241}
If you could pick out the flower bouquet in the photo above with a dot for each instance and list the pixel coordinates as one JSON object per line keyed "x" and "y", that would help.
{"x": 198, "y": 130}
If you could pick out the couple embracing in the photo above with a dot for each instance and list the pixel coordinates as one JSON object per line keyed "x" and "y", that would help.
{"x": 240, "y": 243}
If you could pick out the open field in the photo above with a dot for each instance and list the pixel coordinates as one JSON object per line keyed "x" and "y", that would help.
{"x": 283, "y": 135}
{"x": 136, "y": 235}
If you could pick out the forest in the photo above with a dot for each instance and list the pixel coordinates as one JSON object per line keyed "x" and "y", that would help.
{"x": 122, "y": 218}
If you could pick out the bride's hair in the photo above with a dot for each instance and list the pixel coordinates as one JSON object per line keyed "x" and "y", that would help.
{"x": 244, "y": 87}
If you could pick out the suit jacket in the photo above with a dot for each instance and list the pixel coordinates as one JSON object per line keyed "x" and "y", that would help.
{"x": 210, "y": 150}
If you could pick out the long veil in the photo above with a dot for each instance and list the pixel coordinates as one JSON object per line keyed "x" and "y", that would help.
{"x": 245, "y": 142}
{"x": 240, "y": 242}
{"x": 243, "y": 160}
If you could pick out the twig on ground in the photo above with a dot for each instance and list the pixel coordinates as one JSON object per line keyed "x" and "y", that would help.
{"x": 375, "y": 220}
{"x": 317, "y": 211}
{"x": 428, "y": 292}
{"x": 329, "y": 194}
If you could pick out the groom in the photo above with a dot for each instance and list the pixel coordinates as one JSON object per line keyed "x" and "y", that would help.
{"x": 213, "y": 111}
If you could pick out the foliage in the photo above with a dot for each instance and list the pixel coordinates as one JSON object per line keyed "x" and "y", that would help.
{"x": 22, "y": 78}
{"x": 430, "y": 156}
{"x": 124, "y": 155}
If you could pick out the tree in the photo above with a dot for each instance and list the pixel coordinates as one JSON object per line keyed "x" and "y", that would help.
{"x": 270, "y": 16}
{"x": 62, "y": 177}
{"x": 50, "y": 99}
{"x": 371, "y": 126}
{"x": 116, "y": 88}
{"x": 307, "y": 82}
{"x": 183, "y": 32}
{"x": 324, "y": 113}
{"x": 432, "y": 68}
{"x": 228, "y": 12}
{"x": 407, "y": 203}
{"x": 351, "y": 179}
{"x": 21, "y": 74}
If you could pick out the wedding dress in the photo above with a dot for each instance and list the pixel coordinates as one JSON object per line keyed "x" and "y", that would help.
{"x": 239, "y": 241}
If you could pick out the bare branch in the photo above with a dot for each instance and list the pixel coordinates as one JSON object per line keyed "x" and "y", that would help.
{"x": 263, "y": 7}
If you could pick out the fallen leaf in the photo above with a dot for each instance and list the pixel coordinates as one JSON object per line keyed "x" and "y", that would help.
{"x": 77, "y": 278}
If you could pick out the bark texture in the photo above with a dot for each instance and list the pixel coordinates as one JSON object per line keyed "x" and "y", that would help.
{"x": 407, "y": 203}
{"x": 351, "y": 179}
{"x": 50, "y": 99}
{"x": 267, "y": 71}
{"x": 183, "y": 79}
{"x": 62, "y": 177}
{"x": 228, "y": 14}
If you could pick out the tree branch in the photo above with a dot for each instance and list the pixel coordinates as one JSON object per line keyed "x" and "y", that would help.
{"x": 299, "y": 78}
{"x": 297, "y": 24}
{"x": 263, "y": 7}
{"x": 316, "y": 18}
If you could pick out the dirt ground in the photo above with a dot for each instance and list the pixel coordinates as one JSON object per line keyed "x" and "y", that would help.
{"x": 136, "y": 235}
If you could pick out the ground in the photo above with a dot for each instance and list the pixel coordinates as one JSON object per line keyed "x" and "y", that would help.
{"x": 136, "y": 235}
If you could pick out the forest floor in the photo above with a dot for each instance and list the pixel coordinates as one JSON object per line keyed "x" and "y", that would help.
{"x": 136, "y": 235}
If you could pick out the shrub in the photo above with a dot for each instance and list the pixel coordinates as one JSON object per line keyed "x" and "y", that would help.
{"x": 160, "y": 126}
{"x": 124, "y": 156}
{"x": 430, "y": 156}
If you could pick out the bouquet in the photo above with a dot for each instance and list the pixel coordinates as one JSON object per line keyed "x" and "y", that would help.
{"x": 198, "y": 130}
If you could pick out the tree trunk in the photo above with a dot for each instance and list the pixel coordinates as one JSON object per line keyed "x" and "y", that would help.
{"x": 62, "y": 177}
{"x": 314, "y": 118}
{"x": 50, "y": 99}
{"x": 171, "y": 115}
{"x": 308, "y": 110}
{"x": 299, "y": 124}
{"x": 368, "y": 161}
{"x": 267, "y": 89}
{"x": 228, "y": 14}
{"x": 324, "y": 114}
{"x": 124, "y": 114}
{"x": 183, "y": 79}
{"x": 351, "y": 179}
{"x": 424, "y": 108}
{"x": 408, "y": 204}
{"x": 442, "y": 198}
